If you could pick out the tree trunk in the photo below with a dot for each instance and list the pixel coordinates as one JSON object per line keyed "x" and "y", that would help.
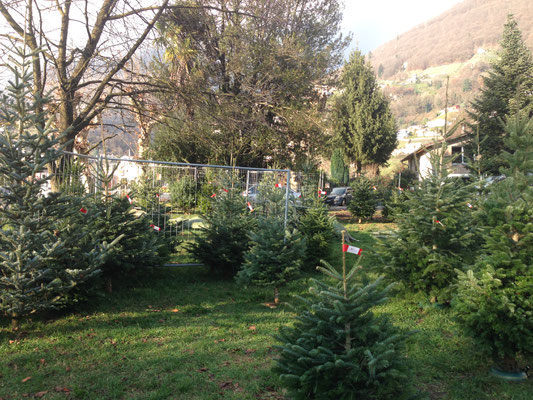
{"x": 109, "y": 285}
{"x": 276, "y": 296}
{"x": 14, "y": 322}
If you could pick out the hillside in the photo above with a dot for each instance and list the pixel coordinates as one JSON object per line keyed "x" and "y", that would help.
{"x": 459, "y": 44}
{"x": 454, "y": 36}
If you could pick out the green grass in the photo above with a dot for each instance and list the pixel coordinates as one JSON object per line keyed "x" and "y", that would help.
{"x": 183, "y": 335}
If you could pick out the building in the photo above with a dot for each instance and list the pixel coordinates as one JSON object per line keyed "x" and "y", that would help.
{"x": 419, "y": 161}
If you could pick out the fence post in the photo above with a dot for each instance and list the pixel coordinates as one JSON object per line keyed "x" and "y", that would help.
{"x": 287, "y": 197}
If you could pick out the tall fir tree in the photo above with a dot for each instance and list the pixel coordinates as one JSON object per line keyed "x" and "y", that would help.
{"x": 338, "y": 348}
{"x": 506, "y": 89}
{"x": 362, "y": 116}
{"x": 33, "y": 276}
{"x": 495, "y": 298}
{"x": 275, "y": 256}
{"x": 363, "y": 203}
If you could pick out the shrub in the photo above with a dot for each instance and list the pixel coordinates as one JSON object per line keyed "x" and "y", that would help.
{"x": 338, "y": 348}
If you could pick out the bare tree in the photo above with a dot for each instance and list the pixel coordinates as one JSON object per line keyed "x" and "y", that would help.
{"x": 86, "y": 46}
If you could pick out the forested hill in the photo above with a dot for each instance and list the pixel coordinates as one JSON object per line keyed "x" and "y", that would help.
{"x": 454, "y": 36}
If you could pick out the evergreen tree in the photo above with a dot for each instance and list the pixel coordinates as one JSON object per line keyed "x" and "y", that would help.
{"x": 436, "y": 235}
{"x": 222, "y": 244}
{"x": 340, "y": 172}
{"x": 275, "y": 256}
{"x": 362, "y": 116}
{"x": 316, "y": 225}
{"x": 506, "y": 89}
{"x": 33, "y": 277}
{"x": 363, "y": 203}
{"x": 338, "y": 348}
{"x": 495, "y": 299}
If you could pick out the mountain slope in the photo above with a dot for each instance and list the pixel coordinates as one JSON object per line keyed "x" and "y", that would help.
{"x": 454, "y": 36}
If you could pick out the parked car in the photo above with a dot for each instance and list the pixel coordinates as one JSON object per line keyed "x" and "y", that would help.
{"x": 252, "y": 193}
{"x": 339, "y": 196}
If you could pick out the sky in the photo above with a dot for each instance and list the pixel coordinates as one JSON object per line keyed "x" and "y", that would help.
{"x": 375, "y": 22}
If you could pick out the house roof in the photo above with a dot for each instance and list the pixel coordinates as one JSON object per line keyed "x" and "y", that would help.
{"x": 430, "y": 146}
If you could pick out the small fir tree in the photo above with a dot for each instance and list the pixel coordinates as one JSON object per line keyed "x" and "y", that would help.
{"x": 436, "y": 235}
{"x": 222, "y": 244}
{"x": 495, "y": 299}
{"x": 183, "y": 193}
{"x": 338, "y": 348}
{"x": 275, "y": 256}
{"x": 363, "y": 203}
{"x": 33, "y": 276}
{"x": 316, "y": 225}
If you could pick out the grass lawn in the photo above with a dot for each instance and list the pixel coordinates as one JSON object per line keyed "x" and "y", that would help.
{"x": 182, "y": 335}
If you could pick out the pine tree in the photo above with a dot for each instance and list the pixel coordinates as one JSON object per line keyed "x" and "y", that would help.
{"x": 506, "y": 89}
{"x": 275, "y": 256}
{"x": 436, "y": 235}
{"x": 33, "y": 277}
{"x": 363, "y": 203}
{"x": 317, "y": 227}
{"x": 222, "y": 244}
{"x": 495, "y": 298}
{"x": 338, "y": 348}
{"x": 362, "y": 117}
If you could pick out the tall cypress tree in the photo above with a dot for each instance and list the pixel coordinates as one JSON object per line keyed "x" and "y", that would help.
{"x": 506, "y": 89}
{"x": 340, "y": 172}
{"x": 362, "y": 116}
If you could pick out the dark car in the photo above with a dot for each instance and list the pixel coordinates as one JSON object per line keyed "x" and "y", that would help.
{"x": 340, "y": 196}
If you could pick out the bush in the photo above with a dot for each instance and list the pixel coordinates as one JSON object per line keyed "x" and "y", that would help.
{"x": 338, "y": 348}
{"x": 363, "y": 203}
{"x": 222, "y": 244}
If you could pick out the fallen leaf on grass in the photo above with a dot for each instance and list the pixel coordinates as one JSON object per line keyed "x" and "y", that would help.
{"x": 203, "y": 369}
{"x": 220, "y": 340}
{"x": 175, "y": 310}
{"x": 249, "y": 351}
{"x": 62, "y": 389}
{"x": 67, "y": 369}
{"x": 40, "y": 394}
{"x": 26, "y": 379}
{"x": 42, "y": 360}
{"x": 252, "y": 328}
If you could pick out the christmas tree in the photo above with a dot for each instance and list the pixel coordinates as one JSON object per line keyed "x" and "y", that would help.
{"x": 33, "y": 276}
{"x": 275, "y": 256}
{"x": 495, "y": 299}
{"x": 222, "y": 244}
{"x": 436, "y": 235}
{"x": 363, "y": 203}
{"x": 338, "y": 348}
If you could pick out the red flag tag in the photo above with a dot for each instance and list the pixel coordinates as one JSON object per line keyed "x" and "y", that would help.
{"x": 438, "y": 222}
{"x": 155, "y": 228}
{"x": 469, "y": 205}
{"x": 375, "y": 188}
{"x": 400, "y": 189}
{"x": 226, "y": 190}
{"x": 351, "y": 249}
{"x": 129, "y": 199}
{"x": 83, "y": 210}
{"x": 277, "y": 185}
{"x": 250, "y": 207}
{"x": 213, "y": 195}
{"x": 157, "y": 195}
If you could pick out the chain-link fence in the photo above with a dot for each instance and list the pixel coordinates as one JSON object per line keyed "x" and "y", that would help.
{"x": 175, "y": 195}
